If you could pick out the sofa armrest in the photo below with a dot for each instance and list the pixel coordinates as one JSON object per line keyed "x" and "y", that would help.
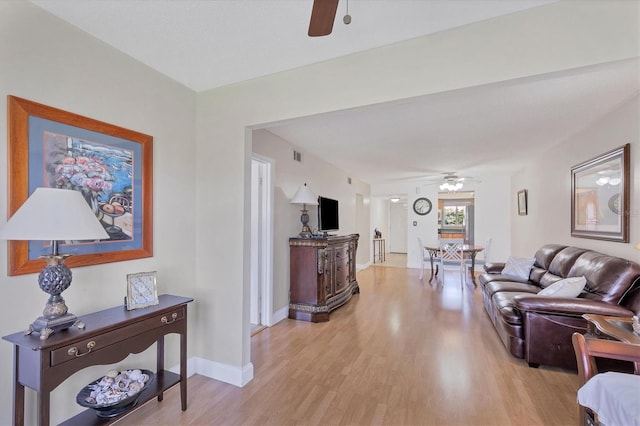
{"x": 494, "y": 267}
{"x": 568, "y": 306}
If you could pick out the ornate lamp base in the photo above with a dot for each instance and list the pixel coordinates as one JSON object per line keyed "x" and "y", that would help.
{"x": 304, "y": 218}
{"x": 53, "y": 280}
{"x": 45, "y": 327}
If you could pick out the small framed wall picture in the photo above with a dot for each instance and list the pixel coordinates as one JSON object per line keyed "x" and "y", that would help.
{"x": 522, "y": 202}
{"x": 142, "y": 290}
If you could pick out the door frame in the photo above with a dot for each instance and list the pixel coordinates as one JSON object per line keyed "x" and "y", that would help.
{"x": 265, "y": 239}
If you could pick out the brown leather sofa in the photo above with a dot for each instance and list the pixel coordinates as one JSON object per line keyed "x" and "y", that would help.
{"x": 539, "y": 328}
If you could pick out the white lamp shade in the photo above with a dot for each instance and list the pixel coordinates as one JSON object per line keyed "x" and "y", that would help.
{"x": 304, "y": 196}
{"x": 52, "y": 214}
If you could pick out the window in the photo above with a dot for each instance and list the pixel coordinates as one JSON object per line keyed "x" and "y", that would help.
{"x": 454, "y": 215}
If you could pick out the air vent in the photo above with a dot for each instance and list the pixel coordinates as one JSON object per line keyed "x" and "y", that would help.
{"x": 297, "y": 156}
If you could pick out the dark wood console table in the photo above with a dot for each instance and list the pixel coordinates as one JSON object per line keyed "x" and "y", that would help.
{"x": 109, "y": 337}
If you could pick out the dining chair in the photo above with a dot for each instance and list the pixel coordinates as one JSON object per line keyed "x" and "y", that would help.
{"x": 424, "y": 257}
{"x": 486, "y": 253}
{"x": 451, "y": 254}
{"x": 603, "y": 396}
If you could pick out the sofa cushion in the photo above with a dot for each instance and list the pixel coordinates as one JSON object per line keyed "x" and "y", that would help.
{"x": 496, "y": 286}
{"x": 563, "y": 262}
{"x": 568, "y": 287}
{"x": 519, "y": 267}
{"x": 608, "y": 277}
{"x": 545, "y": 254}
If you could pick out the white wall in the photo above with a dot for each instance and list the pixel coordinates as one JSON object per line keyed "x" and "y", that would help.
{"x": 549, "y": 192}
{"x": 48, "y": 61}
{"x": 324, "y": 180}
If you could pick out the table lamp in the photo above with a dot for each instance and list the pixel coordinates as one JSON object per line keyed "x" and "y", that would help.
{"x": 304, "y": 196}
{"x": 51, "y": 214}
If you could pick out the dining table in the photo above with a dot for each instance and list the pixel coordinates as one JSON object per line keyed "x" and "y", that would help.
{"x": 467, "y": 249}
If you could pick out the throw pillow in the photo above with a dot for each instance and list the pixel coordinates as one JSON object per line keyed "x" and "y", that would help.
{"x": 518, "y": 267}
{"x": 568, "y": 287}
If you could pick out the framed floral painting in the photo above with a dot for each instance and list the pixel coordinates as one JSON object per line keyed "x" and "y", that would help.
{"x": 111, "y": 166}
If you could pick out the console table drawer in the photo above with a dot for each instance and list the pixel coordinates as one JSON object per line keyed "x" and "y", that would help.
{"x": 93, "y": 344}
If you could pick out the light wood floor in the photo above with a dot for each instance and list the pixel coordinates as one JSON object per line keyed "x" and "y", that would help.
{"x": 402, "y": 352}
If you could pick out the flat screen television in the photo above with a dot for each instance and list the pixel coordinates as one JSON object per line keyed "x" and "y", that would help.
{"x": 327, "y": 214}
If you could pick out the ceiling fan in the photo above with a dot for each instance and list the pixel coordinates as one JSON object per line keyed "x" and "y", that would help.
{"x": 450, "y": 181}
{"x": 323, "y": 15}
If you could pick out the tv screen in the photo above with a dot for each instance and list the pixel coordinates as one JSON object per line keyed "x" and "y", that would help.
{"x": 327, "y": 214}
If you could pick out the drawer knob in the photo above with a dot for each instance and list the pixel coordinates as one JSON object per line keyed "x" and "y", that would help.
{"x": 73, "y": 351}
{"x": 165, "y": 320}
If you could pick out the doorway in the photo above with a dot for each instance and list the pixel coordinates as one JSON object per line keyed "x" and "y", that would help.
{"x": 261, "y": 291}
{"x": 398, "y": 227}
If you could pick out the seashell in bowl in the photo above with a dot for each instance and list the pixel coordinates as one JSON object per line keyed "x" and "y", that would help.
{"x": 135, "y": 375}
{"x": 109, "y": 396}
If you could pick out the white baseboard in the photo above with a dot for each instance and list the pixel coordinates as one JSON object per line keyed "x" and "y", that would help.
{"x": 217, "y": 371}
{"x": 279, "y": 315}
{"x": 360, "y": 267}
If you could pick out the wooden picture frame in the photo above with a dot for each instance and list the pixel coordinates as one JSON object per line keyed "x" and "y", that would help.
{"x": 600, "y": 196}
{"x": 522, "y": 202}
{"x": 142, "y": 290}
{"x": 54, "y": 148}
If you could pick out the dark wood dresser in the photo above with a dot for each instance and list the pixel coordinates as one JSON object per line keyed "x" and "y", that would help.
{"x": 109, "y": 337}
{"x": 322, "y": 275}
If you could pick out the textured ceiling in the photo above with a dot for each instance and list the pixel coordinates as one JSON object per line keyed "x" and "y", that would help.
{"x": 209, "y": 43}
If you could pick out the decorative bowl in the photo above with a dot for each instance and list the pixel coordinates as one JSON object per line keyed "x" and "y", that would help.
{"x": 117, "y": 394}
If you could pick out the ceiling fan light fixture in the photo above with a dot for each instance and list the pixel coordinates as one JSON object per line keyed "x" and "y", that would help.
{"x": 451, "y": 187}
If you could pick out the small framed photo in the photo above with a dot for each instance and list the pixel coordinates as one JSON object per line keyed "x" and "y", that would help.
{"x": 142, "y": 290}
{"x": 522, "y": 202}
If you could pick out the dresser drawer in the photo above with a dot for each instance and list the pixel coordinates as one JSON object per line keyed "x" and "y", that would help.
{"x": 341, "y": 254}
{"x": 341, "y": 275}
{"x": 92, "y": 345}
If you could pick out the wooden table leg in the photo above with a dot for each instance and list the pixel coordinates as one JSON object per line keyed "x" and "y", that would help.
{"x": 18, "y": 390}
{"x": 183, "y": 368}
{"x": 160, "y": 360}
{"x": 43, "y": 408}
{"x": 473, "y": 268}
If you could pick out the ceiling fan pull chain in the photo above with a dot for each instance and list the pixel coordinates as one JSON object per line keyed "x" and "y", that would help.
{"x": 347, "y": 17}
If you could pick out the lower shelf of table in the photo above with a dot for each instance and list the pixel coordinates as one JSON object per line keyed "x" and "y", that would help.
{"x": 163, "y": 381}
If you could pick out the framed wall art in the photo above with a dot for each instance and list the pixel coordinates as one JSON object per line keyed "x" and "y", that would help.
{"x": 522, "y": 202}
{"x": 600, "y": 190}
{"x": 111, "y": 166}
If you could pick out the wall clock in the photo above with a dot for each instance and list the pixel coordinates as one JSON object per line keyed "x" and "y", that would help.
{"x": 422, "y": 206}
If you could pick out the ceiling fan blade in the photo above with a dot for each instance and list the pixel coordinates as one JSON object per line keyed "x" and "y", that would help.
{"x": 323, "y": 15}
